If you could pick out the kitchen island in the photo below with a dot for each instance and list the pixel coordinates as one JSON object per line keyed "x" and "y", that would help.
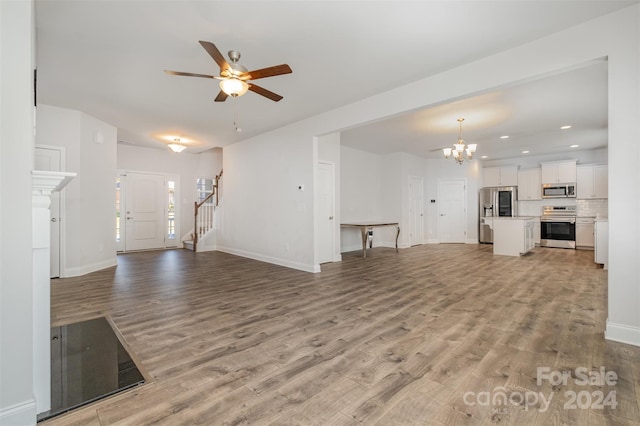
{"x": 512, "y": 236}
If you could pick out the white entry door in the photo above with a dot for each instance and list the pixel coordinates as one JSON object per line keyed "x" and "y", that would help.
{"x": 452, "y": 211}
{"x": 326, "y": 212}
{"x": 49, "y": 158}
{"x": 416, "y": 210}
{"x": 144, "y": 211}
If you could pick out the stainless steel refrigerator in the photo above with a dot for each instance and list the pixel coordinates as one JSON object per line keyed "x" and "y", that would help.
{"x": 496, "y": 202}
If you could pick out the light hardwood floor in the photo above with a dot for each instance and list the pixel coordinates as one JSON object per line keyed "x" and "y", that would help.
{"x": 419, "y": 337}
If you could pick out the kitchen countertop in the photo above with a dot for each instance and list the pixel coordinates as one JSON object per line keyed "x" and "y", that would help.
{"x": 510, "y": 218}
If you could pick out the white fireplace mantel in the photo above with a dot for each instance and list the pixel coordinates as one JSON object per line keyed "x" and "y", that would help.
{"x": 43, "y": 184}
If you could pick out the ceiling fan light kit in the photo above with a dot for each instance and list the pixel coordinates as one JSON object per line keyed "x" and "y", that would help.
{"x": 460, "y": 149}
{"x": 234, "y": 87}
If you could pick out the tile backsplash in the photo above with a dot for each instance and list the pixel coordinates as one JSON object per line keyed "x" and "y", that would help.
{"x": 585, "y": 208}
{"x": 593, "y": 208}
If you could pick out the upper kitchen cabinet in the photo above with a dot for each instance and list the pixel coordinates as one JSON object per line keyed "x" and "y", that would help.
{"x": 592, "y": 182}
{"x": 529, "y": 185}
{"x": 559, "y": 172}
{"x": 500, "y": 176}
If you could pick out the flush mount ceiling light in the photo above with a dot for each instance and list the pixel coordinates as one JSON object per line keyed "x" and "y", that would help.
{"x": 565, "y": 127}
{"x": 177, "y": 146}
{"x": 459, "y": 149}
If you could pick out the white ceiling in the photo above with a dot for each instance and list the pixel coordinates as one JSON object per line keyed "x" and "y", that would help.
{"x": 106, "y": 58}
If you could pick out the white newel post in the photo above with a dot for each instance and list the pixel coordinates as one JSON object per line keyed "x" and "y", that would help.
{"x": 43, "y": 184}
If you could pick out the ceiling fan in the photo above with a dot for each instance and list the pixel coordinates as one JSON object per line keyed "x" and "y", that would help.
{"x": 234, "y": 78}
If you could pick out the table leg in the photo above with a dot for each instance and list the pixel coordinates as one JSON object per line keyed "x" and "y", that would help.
{"x": 364, "y": 232}
{"x": 397, "y": 235}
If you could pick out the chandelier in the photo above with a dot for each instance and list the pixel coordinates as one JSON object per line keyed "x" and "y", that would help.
{"x": 460, "y": 148}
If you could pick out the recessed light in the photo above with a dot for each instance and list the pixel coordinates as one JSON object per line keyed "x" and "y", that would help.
{"x": 525, "y": 152}
{"x": 565, "y": 127}
{"x": 484, "y": 156}
{"x": 574, "y": 146}
{"x": 504, "y": 137}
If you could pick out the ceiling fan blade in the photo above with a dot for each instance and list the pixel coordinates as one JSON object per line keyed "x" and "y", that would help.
{"x": 188, "y": 74}
{"x": 270, "y": 71}
{"x": 221, "y": 97}
{"x": 213, "y": 51}
{"x": 264, "y": 92}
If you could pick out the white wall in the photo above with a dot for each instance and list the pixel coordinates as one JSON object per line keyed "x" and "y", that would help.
{"x": 360, "y": 194}
{"x": 187, "y": 166}
{"x": 89, "y": 225}
{"x": 265, "y": 216}
{"x": 361, "y": 181}
{"x": 17, "y": 404}
{"x": 614, "y": 36}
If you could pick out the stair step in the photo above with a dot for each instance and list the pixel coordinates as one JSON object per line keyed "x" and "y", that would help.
{"x": 188, "y": 245}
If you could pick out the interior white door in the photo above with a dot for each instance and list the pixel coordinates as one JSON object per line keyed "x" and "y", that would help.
{"x": 452, "y": 211}
{"x": 326, "y": 212}
{"x": 50, "y": 158}
{"x": 416, "y": 210}
{"x": 144, "y": 213}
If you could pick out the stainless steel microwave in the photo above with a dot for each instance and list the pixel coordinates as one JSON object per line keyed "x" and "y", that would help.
{"x": 558, "y": 190}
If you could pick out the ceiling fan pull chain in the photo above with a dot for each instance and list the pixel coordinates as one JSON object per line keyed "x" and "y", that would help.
{"x": 235, "y": 115}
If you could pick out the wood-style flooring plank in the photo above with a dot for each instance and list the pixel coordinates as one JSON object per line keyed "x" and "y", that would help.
{"x": 395, "y": 339}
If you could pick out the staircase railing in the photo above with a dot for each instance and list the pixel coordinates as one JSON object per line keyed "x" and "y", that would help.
{"x": 204, "y": 212}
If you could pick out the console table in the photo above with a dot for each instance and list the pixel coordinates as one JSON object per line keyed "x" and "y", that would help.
{"x": 366, "y": 228}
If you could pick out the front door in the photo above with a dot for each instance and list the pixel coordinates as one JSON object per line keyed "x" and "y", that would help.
{"x": 144, "y": 211}
{"x": 452, "y": 211}
{"x": 49, "y": 158}
{"x": 326, "y": 212}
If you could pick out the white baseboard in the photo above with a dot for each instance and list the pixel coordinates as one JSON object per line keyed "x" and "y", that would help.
{"x": 276, "y": 261}
{"x": 77, "y": 271}
{"x": 622, "y": 333}
{"x": 472, "y": 242}
{"x": 433, "y": 241}
{"x": 19, "y": 414}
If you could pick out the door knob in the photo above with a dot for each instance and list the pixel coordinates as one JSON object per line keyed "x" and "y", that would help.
{"x": 53, "y": 219}
{"x": 330, "y": 217}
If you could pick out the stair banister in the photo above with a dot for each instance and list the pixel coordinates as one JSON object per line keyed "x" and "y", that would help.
{"x": 203, "y": 212}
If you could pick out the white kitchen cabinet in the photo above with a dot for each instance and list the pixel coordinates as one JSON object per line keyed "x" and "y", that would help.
{"x": 602, "y": 242}
{"x": 585, "y": 232}
{"x": 529, "y": 185}
{"x": 512, "y": 236}
{"x": 500, "y": 176}
{"x": 536, "y": 230}
{"x": 559, "y": 172}
{"x": 592, "y": 181}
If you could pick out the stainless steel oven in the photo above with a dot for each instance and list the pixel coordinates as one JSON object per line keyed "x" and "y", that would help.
{"x": 558, "y": 227}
